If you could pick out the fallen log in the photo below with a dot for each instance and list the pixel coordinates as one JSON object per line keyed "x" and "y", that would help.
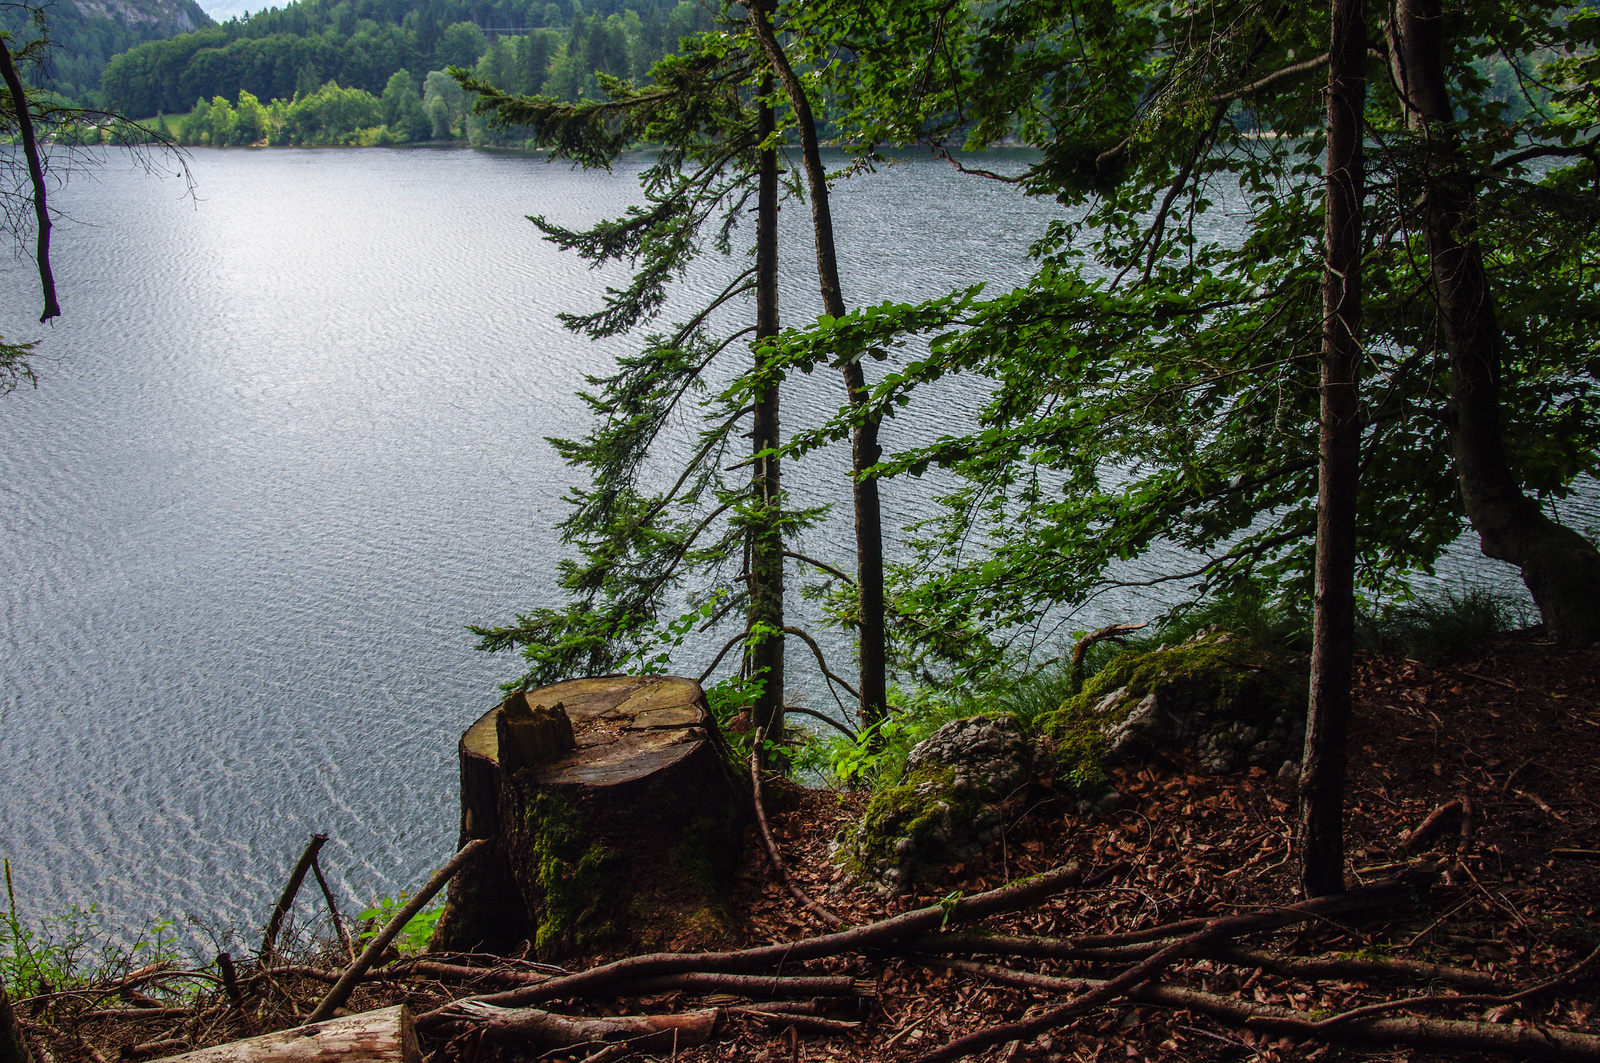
{"x": 385, "y": 1036}
{"x": 544, "y": 1029}
{"x": 1447, "y": 1034}
{"x": 1009, "y": 897}
{"x": 1215, "y": 932}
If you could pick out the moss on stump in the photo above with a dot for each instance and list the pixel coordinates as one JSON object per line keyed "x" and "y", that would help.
{"x": 617, "y": 816}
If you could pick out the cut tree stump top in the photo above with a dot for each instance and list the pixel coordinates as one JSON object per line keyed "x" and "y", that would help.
{"x": 626, "y": 727}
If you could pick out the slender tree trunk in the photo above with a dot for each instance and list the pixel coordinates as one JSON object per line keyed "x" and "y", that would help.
{"x": 1560, "y": 567}
{"x": 41, "y": 209}
{"x": 1332, "y": 655}
{"x": 864, "y": 449}
{"x": 766, "y": 555}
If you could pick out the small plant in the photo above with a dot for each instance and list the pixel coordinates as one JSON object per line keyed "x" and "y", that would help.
{"x": 71, "y": 949}
{"x": 414, "y": 936}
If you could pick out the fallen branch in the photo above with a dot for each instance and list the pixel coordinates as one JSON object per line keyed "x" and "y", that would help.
{"x": 1450, "y": 1034}
{"x": 1110, "y": 631}
{"x": 1215, "y": 932}
{"x": 1310, "y": 967}
{"x": 809, "y": 1023}
{"x": 347, "y": 982}
{"x": 1429, "y": 827}
{"x": 749, "y": 985}
{"x": 546, "y": 1029}
{"x": 333, "y": 909}
{"x": 811, "y": 905}
{"x": 1009, "y": 897}
{"x": 269, "y": 941}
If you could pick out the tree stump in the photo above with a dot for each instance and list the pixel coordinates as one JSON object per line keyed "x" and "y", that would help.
{"x": 616, "y": 813}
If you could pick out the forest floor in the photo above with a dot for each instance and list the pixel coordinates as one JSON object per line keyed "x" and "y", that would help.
{"x": 1511, "y": 729}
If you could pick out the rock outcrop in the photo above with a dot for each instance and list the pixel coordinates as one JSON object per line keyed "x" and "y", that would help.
{"x": 1237, "y": 703}
{"x": 946, "y": 806}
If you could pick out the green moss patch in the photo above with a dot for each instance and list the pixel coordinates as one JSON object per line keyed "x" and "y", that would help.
{"x": 907, "y": 827}
{"x": 571, "y": 873}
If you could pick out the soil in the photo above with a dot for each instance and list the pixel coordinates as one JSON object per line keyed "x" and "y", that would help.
{"x": 1513, "y": 727}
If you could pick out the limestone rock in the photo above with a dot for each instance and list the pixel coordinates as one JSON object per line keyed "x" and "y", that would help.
{"x": 988, "y": 755}
{"x": 945, "y": 808}
{"x": 1237, "y": 703}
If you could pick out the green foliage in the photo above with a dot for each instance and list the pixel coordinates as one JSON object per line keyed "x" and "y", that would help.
{"x": 414, "y": 936}
{"x": 279, "y": 53}
{"x": 877, "y": 757}
{"x": 14, "y": 367}
{"x": 72, "y": 948}
{"x": 1156, "y": 381}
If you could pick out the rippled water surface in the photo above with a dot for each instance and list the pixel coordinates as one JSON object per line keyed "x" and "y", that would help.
{"x": 289, "y": 439}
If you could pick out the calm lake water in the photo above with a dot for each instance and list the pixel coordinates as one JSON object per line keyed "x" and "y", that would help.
{"x": 289, "y": 439}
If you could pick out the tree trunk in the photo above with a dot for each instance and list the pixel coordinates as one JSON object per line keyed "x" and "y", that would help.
{"x": 1560, "y": 567}
{"x": 766, "y": 554}
{"x": 864, "y": 449}
{"x": 13, "y": 1046}
{"x": 1322, "y": 772}
{"x": 616, "y": 815}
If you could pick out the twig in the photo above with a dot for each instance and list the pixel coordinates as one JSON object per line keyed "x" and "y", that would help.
{"x": 829, "y": 720}
{"x": 333, "y": 909}
{"x": 269, "y": 941}
{"x": 1430, "y": 826}
{"x": 230, "y": 981}
{"x": 347, "y": 982}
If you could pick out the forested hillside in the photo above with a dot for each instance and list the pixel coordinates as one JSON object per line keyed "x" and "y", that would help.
{"x": 89, "y": 32}
{"x": 361, "y": 44}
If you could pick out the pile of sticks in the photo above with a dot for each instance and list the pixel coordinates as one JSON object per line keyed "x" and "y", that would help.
{"x": 1147, "y": 969}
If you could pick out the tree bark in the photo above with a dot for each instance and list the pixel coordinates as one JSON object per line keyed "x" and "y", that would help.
{"x": 864, "y": 448}
{"x": 384, "y": 1036}
{"x": 13, "y": 1046}
{"x": 41, "y": 209}
{"x": 1560, "y": 567}
{"x": 766, "y": 554}
{"x": 1322, "y": 770}
{"x": 627, "y": 832}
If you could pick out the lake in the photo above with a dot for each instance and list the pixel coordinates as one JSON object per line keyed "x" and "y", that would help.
{"x": 289, "y": 440}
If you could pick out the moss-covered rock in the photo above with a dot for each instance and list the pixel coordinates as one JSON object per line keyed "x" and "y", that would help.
{"x": 945, "y": 807}
{"x": 1237, "y": 701}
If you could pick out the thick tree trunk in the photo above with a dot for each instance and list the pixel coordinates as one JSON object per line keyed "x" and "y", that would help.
{"x": 1560, "y": 567}
{"x": 766, "y": 553}
{"x": 864, "y": 449}
{"x": 1322, "y": 770}
{"x": 615, "y": 813}
{"x": 13, "y": 1046}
